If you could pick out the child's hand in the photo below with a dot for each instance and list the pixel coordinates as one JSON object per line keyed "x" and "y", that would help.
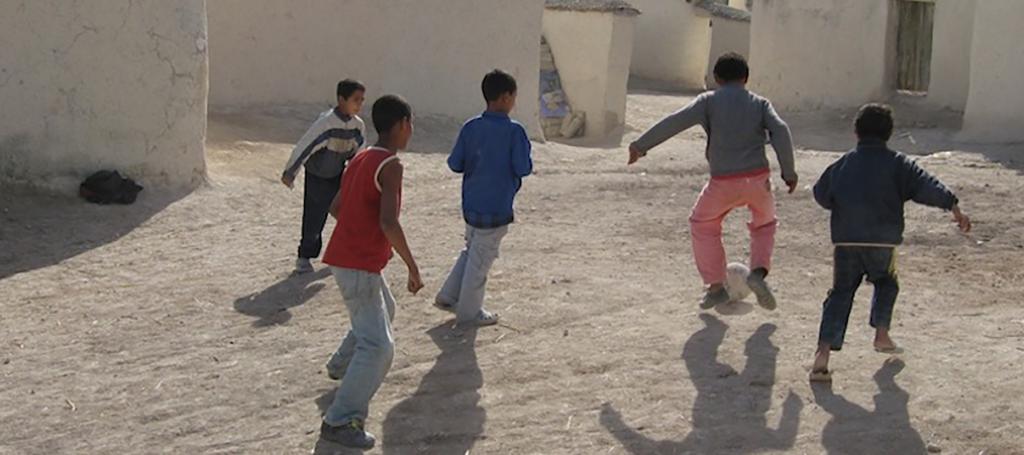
{"x": 288, "y": 181}
{"x": 415, "y": 283}
{"x": 963, "y": 221}
{"x": 635, "y": 155}
{"x": 792, "y": 184}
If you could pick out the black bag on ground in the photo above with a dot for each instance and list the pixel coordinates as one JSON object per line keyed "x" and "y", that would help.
{"x": 108, "y": 187}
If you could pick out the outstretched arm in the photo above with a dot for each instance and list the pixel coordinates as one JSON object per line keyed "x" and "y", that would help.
{"x": 921, "y": 187}
{"x": 693, "y": 114}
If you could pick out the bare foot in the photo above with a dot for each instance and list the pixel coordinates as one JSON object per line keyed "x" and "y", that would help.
{"x": 820, "y": 371}
{"x": 883, "y": 343}
{"x": 821, "y": 359}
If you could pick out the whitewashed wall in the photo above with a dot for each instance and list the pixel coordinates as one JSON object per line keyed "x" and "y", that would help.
{"x": 811, "y": 54}
{"x": 433, "y": 52}
{"x": 592, "y": 51}
{"x": 97, "y": 84}
{"x": 672, "y": 43}
{"x": 995, "y": 103}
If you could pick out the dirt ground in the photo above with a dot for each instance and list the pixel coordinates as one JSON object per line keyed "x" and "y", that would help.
{"x": 173, "y": 326}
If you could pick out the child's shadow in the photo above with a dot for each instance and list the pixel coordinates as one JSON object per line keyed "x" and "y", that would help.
{"x": 444, "y": 414}
{"x": 730, "y": 407}
{"x": 854, "y": 429}
{"x": 271, "y": 305}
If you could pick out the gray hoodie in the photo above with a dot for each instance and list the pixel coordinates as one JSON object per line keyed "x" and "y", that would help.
{"x": 738, "y": 124}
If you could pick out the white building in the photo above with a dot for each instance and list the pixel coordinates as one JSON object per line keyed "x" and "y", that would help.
{"x": 673, "y": 41}
{"x": 433, "y": 52}
{"x": 961, "y": 55}
{"x": 94, "y": 85}
{"x": 592, "y": 43}
{"x": 995, "y": 100}
{"x": 124, "y": 84}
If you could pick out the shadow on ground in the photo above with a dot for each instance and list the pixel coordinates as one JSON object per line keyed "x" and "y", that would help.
{"x": 729, "y": 412}
{"x": 39, "y": 229}
{"x": 444, "y": 414}
{"x": 270, "y": 306}
{"x": 854, "y": 429}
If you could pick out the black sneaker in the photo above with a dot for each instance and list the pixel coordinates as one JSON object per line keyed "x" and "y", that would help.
{"x": 714, "y": 298}
{"x": 350, "y": 434}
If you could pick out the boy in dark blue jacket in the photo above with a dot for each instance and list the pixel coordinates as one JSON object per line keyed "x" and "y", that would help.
{"x": 493, "y": 155}
{"x": 866, "y": 190}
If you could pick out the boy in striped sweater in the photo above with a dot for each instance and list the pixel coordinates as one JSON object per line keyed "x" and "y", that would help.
{"x": 324, "y": 150}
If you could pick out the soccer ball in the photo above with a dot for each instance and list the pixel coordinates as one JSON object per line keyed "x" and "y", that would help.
{"x": 736, "y": 281}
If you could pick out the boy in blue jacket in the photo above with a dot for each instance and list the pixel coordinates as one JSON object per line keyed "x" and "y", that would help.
{"x": 493, "y": 155}
{"x": 866, "y": 190}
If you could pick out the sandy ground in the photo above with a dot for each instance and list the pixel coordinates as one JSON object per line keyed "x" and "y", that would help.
{"x": 173, "y": 326}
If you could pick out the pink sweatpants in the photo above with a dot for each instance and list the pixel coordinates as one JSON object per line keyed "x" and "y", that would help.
{"x": 718, "y": 198}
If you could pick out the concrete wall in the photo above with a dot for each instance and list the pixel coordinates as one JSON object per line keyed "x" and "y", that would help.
{"x": 102, "y": 84}
{"x": 433, "y": 52}
{"x": 726, "y": 36}
{"x": 672, "y": 43}
{"x": 592, "y": 51}
{"x": 810, "y": 54}
{"x": 995, "y": 103}
{"x": 951, "y": 53}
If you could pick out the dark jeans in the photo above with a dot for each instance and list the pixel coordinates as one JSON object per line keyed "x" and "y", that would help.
{"x": 852, "y": 264}
{"x": 316, "y": 202}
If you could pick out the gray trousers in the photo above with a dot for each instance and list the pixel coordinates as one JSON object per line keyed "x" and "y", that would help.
{"x": 465, "y": 287}
{"x": 366, "y": 352}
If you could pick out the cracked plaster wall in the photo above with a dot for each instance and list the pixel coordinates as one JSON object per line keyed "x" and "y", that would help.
{"x": 433, "y": 52}
{"x": 94, "y": 84}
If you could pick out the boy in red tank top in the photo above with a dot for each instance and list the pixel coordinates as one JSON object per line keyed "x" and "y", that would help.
{"x": 367, "y": 231}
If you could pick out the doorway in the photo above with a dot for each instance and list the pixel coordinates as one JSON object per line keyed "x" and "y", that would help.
{"x": 915, "y": 24}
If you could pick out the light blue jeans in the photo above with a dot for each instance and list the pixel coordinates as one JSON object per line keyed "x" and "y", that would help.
{"x": 466, "y": 284}
{"x": 366, "y": 352}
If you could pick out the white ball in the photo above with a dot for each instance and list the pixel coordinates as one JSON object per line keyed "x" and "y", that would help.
{"x": 736, "y": 281}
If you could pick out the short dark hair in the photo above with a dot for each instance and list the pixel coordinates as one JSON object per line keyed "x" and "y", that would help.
{"x": 732, "y": 67}
{"x": 388, "y": 111}
{"x": 497, "y": 83}
{"x": 874, "y": 121}
{"x": 349, "y": 86}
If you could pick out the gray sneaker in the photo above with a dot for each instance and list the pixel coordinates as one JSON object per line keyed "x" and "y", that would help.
{"x": 714, "y": 298}
{"x": 349, "y": 435}
{"x": 444, "y": 306}
{"x": 760, "y": 288}
{"x": 303, "y": 265}
{"x": 335, "y": 375}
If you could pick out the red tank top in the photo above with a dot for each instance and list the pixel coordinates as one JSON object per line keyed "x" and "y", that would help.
{"x": 358, "y": 241}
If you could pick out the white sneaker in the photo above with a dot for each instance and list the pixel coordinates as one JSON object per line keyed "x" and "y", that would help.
{"x": 303, "y": 265}
{"x": 486, "y": 318}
